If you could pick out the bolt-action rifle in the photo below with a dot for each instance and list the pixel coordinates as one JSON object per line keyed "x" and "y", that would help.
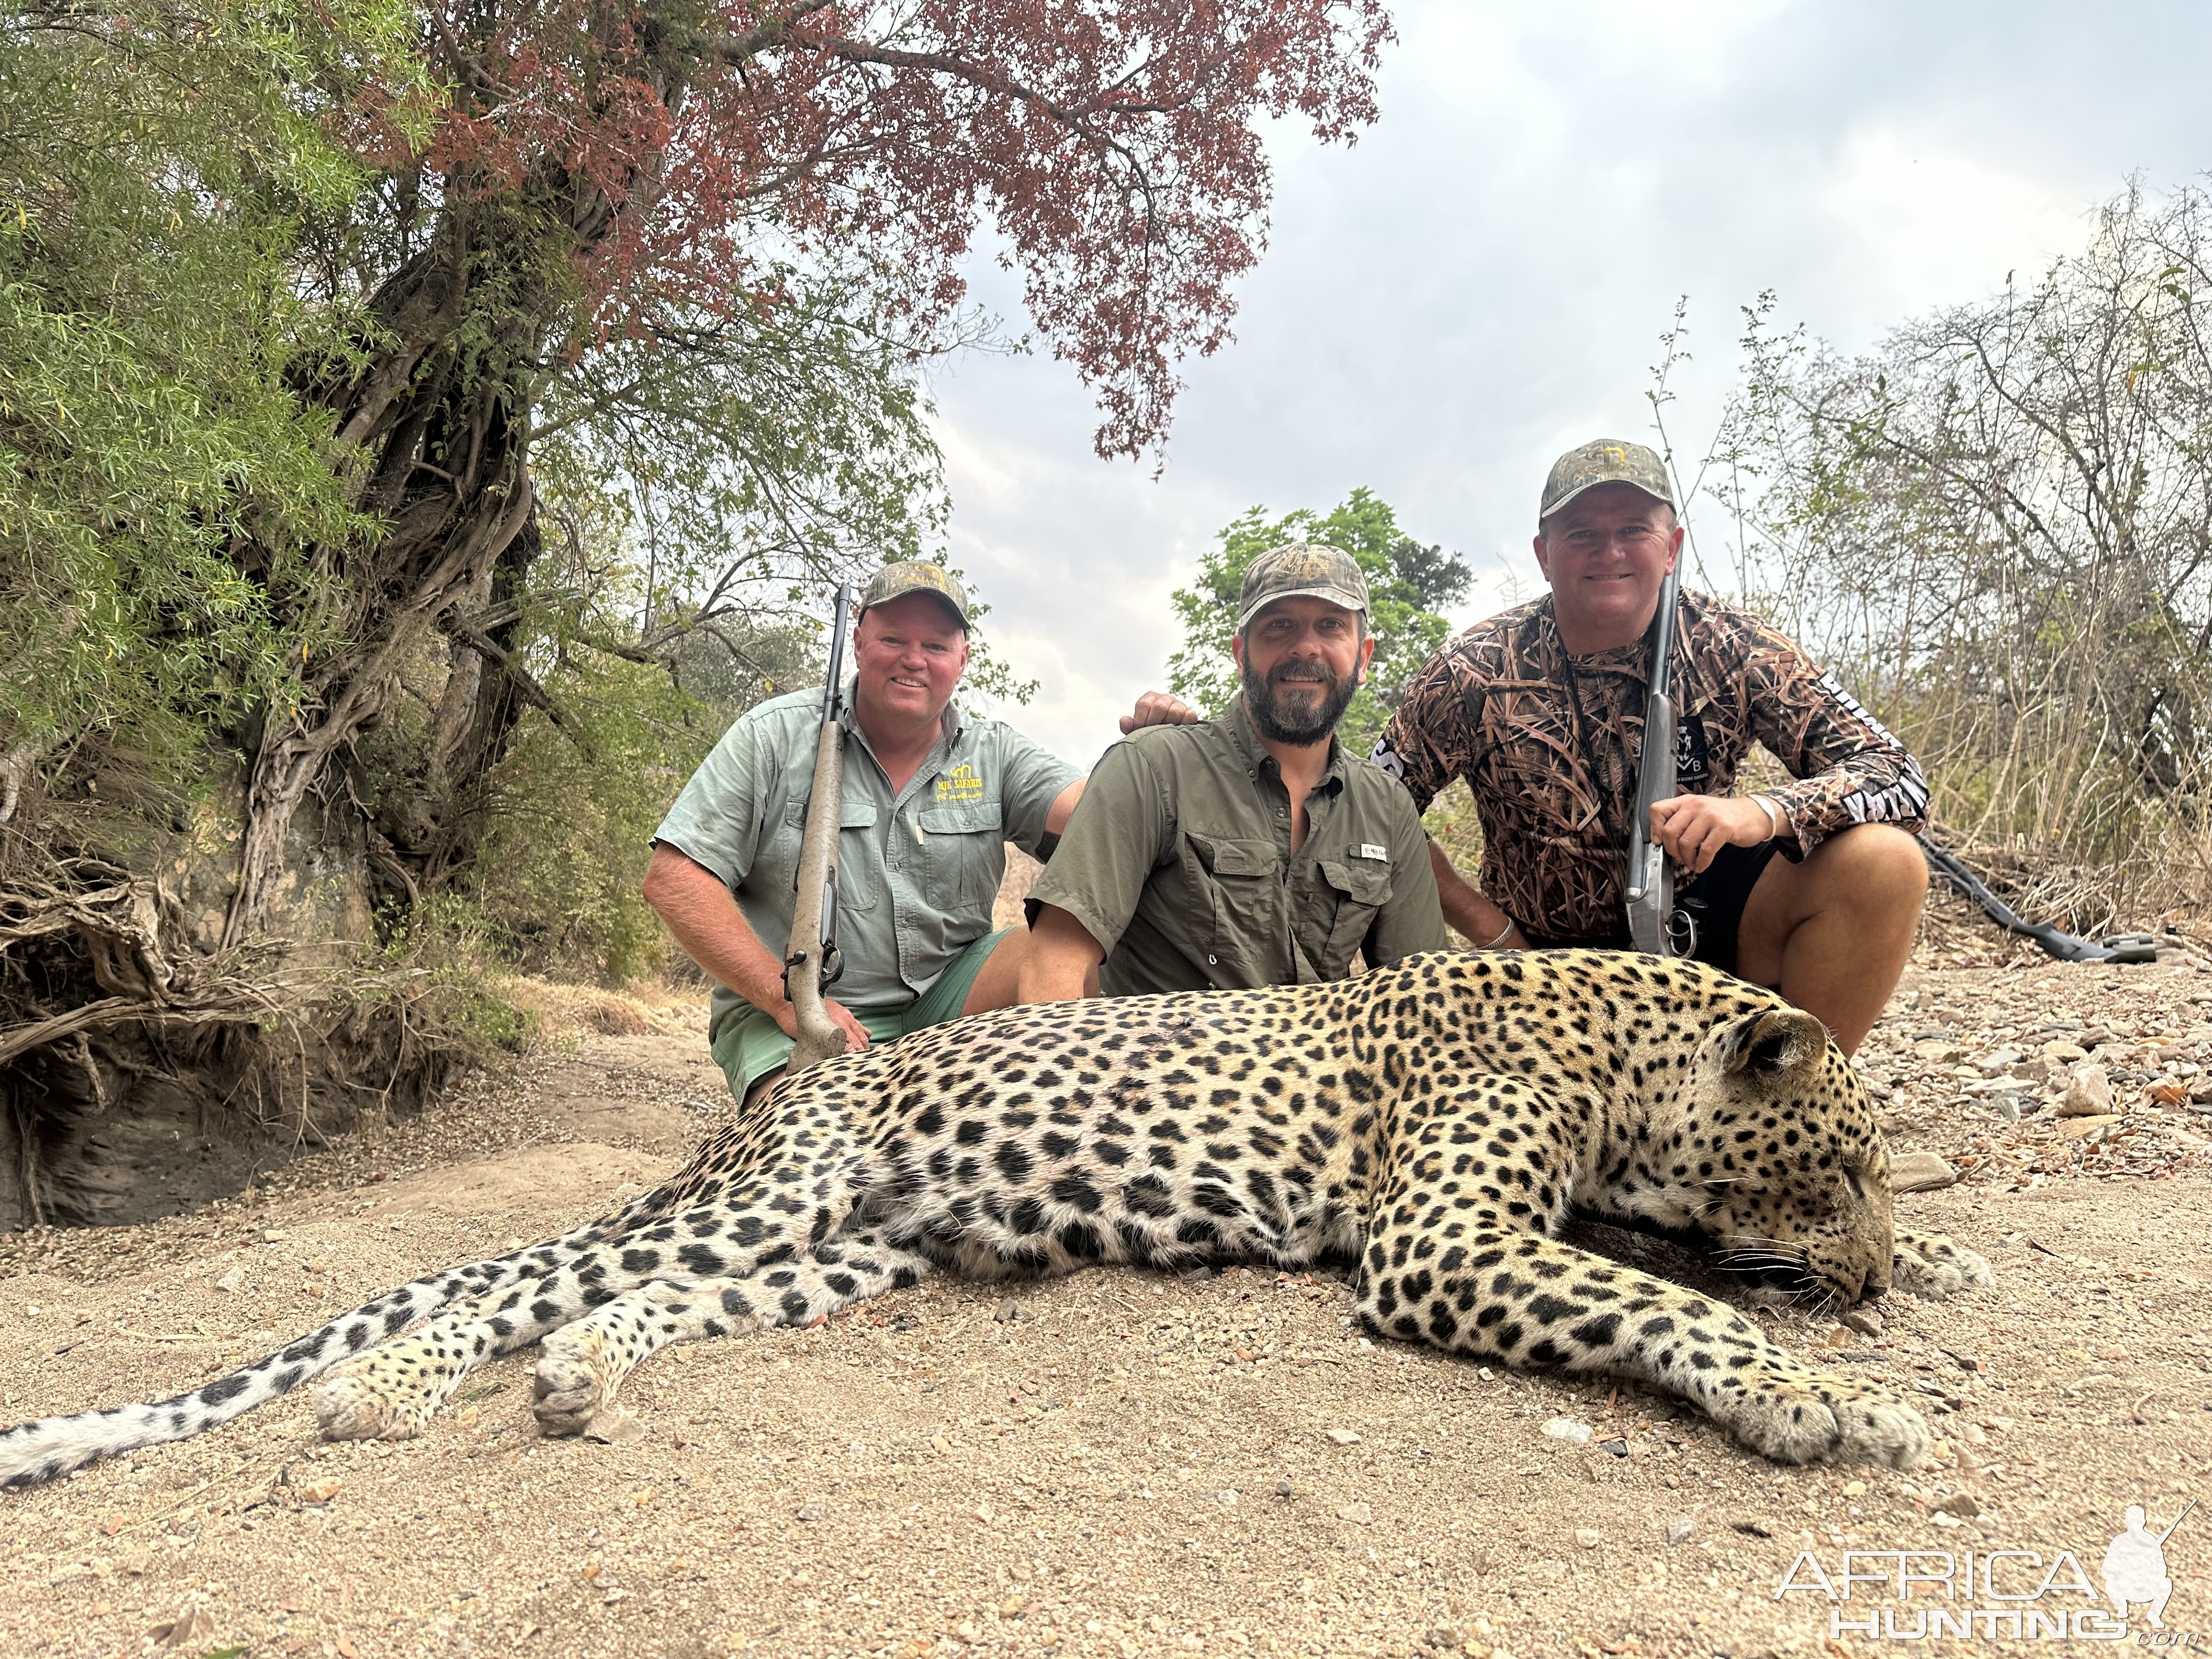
{"x": 811, "y": 963}
{"x": 1652, "y": 922}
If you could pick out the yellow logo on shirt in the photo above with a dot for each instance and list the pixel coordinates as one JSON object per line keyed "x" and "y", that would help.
{"x": 961, "y": 783}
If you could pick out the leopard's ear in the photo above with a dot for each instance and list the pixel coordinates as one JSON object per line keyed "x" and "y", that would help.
{"x": 1774, "y": 1043}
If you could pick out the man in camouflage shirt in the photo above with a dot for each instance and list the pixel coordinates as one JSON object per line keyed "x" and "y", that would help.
{"x": 1541, "y": 710}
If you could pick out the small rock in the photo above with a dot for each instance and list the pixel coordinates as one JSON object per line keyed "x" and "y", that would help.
{"x": 273, "y": 1236}
{"x": 1964, "y": 1504}
{"x": 1566, "y": 1428}
{"x": 1358, "y": 1513}
{"x": 1865, "y": 1320}
{"x": 615, "y": 1425}
{"x": 1920, "y": 1172}
{"x": 1227, "y": 1498}
{"x": 2009, "y": 1107}
{"x": 2003, "y": 1060}
{"x": 320, "y": 1491}
{"x": 1343, "y": 1437}
{"x": 1012, "y": 1606}
{"x": 1855, "y": 1488}
{"x": 1680, "y": 1529}
{"x": 2088, "y": 1093}
{"x": 1589, "y": 1537}
{"x": 230, "y": 1281}
{"x": 2065, "y": 1054}
{"x": 1443, "y": 1640}
{"x": 813, "y": 1510}
{"x": 1282, "y": 1489}
{"x": 196, "y": 1626}
{"x": 1010, "y": 1311}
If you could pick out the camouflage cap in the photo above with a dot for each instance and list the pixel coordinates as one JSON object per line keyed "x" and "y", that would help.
{"x": 1302, "y": 569}
{"x": 895, "y": 581}
{"x": 1603, "y": 461}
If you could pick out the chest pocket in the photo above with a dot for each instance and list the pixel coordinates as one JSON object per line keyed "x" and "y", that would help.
{"x": 963, "y": 854}
{"x": 857, "y": 849}
{"x": 1361, "y": 887}
{"x": 1241, "y": 883}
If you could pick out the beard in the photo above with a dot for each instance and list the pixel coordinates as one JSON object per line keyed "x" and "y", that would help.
{"x": 1298, "y": 703}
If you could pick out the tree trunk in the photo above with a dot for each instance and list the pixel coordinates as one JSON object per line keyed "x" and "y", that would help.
{"x": 448, "y": 425}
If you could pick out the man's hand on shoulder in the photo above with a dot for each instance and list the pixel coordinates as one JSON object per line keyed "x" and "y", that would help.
{"x": 1159, "y": 708}
{"x": 1694, "y": 827}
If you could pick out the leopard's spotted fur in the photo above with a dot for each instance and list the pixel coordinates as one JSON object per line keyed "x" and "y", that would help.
{"x": 1433, "y": 1122}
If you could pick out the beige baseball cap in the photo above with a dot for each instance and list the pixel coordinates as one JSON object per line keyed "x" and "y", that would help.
{"x": 1302, "y": 569}
{"x": 895, "y": 581}
{"x": 1603, "y": 461}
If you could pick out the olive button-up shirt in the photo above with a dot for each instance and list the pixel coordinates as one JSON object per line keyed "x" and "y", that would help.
{"x": 1178, "y": 861}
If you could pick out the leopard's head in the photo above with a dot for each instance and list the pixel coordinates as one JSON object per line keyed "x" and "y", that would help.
{"x": 1783, "y": 1159}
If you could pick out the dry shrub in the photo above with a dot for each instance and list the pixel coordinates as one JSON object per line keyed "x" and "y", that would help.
{"x": 1996, "y": 528}
{"x": 566, "y": 1013}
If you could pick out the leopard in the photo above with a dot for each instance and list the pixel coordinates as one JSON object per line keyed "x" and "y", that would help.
{"x": 1428, "y": 1126}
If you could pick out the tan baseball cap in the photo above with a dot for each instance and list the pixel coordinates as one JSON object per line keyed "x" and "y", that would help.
{"x": 895, "y": 581}
{"x": 1603, "y": 461}
{"x": 1302, "y": 569}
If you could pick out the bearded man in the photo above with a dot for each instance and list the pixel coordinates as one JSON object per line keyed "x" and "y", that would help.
{"x": 1248, "y": 849}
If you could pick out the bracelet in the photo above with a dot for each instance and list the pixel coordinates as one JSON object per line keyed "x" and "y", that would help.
{"x": 1510, "y": 926}
{"x": 1773, "y": 817}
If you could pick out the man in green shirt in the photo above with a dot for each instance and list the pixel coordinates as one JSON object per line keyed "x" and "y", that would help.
{"x": 931, "y": 797}
{"x": 1250, "y": 849}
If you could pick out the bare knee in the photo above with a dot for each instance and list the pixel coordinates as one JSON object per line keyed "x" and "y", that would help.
{"x": 1873, "y": 867}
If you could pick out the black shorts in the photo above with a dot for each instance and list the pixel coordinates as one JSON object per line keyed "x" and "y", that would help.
{"x": 1715, "y": 903}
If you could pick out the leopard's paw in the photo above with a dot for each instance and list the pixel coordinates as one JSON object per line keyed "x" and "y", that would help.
{"x": 363, "y": 1400}
{"x": 1828, "y": 1419}
{"x": 1932, "y": 1266}
{"x": 573, "y": 1382}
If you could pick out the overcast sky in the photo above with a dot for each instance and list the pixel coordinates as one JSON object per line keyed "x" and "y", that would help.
{"x": 1480, "y": 282}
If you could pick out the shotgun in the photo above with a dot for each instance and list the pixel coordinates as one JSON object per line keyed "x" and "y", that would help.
{"x": 1651, "y": 881}
{"x": 811, "y": 963}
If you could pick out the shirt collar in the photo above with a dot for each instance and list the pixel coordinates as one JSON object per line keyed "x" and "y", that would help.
{"x": 1254, "y": 755}
{"x": 952, "y": 724}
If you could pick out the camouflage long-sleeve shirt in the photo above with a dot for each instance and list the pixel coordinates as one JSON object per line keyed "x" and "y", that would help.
{"x": 1549, "y": 744}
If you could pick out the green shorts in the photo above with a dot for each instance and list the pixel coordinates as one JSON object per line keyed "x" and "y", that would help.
{"x": 750, "y": 1045}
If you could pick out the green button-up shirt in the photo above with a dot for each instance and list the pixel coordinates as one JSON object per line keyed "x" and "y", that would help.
{"x": 918, "y": 868}
{"x": 1178, "y": 860}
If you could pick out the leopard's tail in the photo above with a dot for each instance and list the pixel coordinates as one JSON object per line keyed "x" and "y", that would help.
{"x": 52, "y": 1446}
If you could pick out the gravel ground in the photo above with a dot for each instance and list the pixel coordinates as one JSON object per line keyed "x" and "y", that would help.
{"x": 1124, "y": 1464}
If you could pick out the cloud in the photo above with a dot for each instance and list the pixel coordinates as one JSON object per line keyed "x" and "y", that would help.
{"x": 1481, "y": 282}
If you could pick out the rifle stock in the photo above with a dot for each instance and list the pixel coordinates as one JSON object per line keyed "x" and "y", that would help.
{"x": 811, "y": 963}
{"x": 1649, "y": 883}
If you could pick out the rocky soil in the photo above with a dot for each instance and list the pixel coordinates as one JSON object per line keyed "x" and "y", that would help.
{"x": 1124, "y": 1464}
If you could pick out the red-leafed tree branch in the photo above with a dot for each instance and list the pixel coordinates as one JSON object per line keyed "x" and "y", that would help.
{"x": 626, "y": 212}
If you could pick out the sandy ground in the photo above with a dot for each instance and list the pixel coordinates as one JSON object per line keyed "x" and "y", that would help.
{"x": 1123, "y": 1463}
